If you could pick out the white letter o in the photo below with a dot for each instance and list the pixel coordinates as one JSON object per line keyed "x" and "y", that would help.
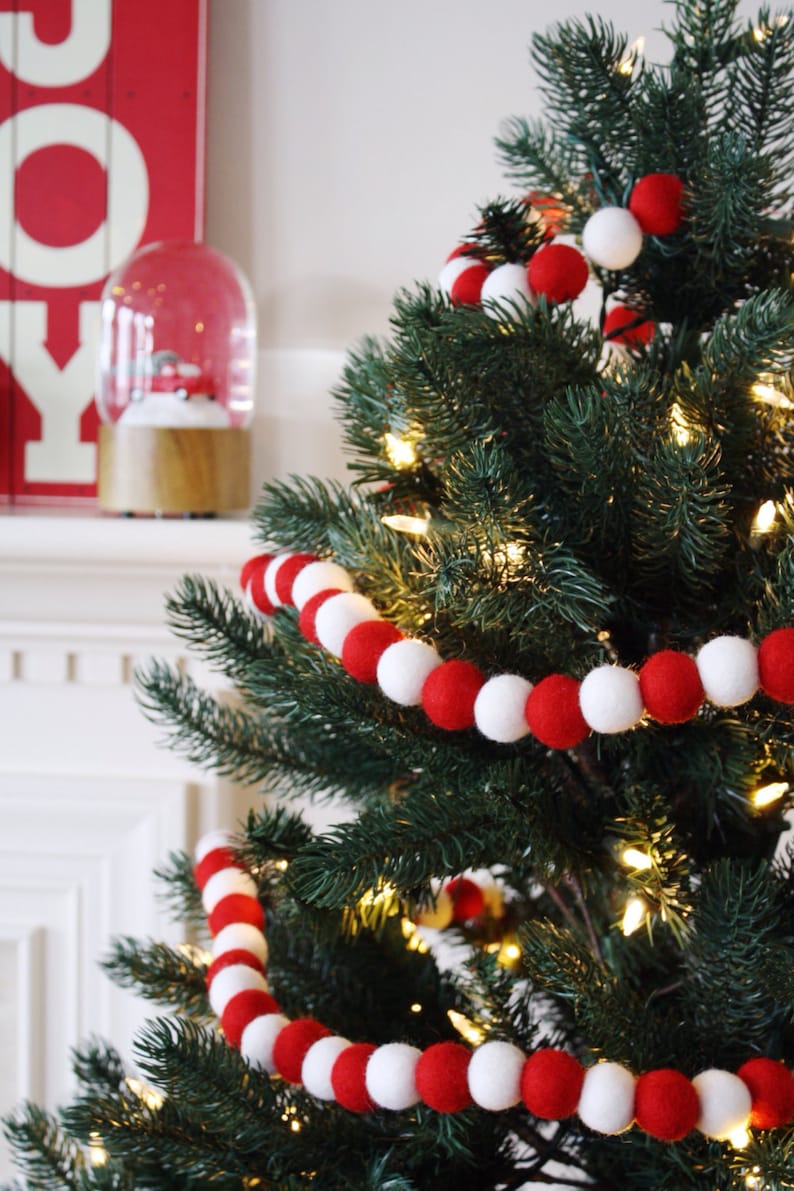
{"x": 117, "y": 151}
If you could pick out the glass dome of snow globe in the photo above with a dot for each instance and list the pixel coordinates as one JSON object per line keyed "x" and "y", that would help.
{"x": 175, "y": 386}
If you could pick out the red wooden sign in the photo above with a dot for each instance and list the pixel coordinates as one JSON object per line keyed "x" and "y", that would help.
{"x": 102, "y": 112}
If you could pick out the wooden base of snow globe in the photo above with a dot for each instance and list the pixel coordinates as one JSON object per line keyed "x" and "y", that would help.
{"x": 173, "y": 470}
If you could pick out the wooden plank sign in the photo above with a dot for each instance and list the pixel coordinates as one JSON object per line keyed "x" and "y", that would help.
{"x": 102, "y": 137}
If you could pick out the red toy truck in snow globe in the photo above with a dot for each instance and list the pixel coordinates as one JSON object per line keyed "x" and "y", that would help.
{"x": 175, "y": 392}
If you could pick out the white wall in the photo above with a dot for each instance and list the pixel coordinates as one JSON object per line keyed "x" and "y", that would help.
{"x": 350, "y": 143}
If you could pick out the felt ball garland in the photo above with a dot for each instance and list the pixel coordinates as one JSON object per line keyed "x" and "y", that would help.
{"x": 349, "y": 1077}
{"x": 557, "y": 272}
{"x": 612, "y": 239}
{"x": 461, "y": 899}
{"x": 656, "y": 202}
{"x": 558, "y": 711}
{"x": 666, "y": 1104}
{"x": 506, "y": 284}
{"x": 627, "y": 327}
{"x": 448, "y": 1076}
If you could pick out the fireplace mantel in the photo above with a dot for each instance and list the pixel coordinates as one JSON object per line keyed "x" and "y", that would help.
{"x": 91, "y": 802}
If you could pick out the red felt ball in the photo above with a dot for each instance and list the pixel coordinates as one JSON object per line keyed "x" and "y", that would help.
{"x": 258, "y": 562}
{"x": 308, "y": 613}
{"x": 236, "y": 907}
{"x": 619, "y": 328}
{"x": 666, "y": 1104}
{"x": 287, "y": 573}
{"x": 349, "y": 1077}
{"x": 467, "y": 287}
{"x": 557, "y": 272}
{"x": 670, "y": 686}
{"x": 449, "y": 692}
{"x": 242, "y": 1008}
{"x": 442, "y": 1076}
{"x": 468, "y": 900}
{"x": 553, "y": 712}
{"x": 656, "y": 203}
{"x": 292, "y": 1043}
{"x": 237, "y": 955}
{"x": 772, "y": 1088}
{"x": 776, "y": 665}
{"x": 461, "y": 250}
{"x": 551, "y": 1083}
{"x": 214, "y": 862}
{"x": 363, "y": 646}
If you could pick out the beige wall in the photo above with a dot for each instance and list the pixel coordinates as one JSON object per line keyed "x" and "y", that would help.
{"x": 350, "y": 142}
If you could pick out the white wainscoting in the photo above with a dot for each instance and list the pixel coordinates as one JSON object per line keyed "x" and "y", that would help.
{"x": 90, "y": 800}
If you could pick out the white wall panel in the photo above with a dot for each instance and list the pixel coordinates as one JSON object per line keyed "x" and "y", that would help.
{"x": 90, "y": 803}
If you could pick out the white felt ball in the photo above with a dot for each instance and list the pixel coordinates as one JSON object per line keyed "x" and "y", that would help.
{"x": 230, "y": 981}
{"x": 504, "y": 285}
{"x": 211, "y": 842}
{"x": 606, "y": 1103}
{"x": 316, "y": 577}
{"x": 452, "y": 271}
{"x": 390, "y": 1075}
{"x": 725, "y": 1102}
{"x": 316, "y": 1069}
{"x": 338, "y": 615}
{"x": 224, "y": 883}
{"x": 612, "y": 238}
{"x": 728, "y": 668}
{"x": 499, "y": 708}
{"x": 439, "y": 915}
{"x": 403, "y": 669}
{"x": 240, "y": 935}
{"x": 271, "y": 574}
{"x": 610, "y": 699}
{"x": 258, "y": 1037}
{"x": 495, "y": 1075}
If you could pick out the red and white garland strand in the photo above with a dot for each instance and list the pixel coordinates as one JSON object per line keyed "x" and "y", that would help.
{"x": 559, "y": 711}
{"x": 448, "y": 1076}
{"x": 612, "y": 239}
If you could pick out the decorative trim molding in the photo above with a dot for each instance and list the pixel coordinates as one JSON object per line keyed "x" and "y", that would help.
{"x": 90, "y": 801}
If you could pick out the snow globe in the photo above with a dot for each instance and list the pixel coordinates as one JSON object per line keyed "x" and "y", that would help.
{"x": 177, "y": 354}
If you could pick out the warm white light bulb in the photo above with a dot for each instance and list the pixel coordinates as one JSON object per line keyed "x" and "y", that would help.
{"x": 470, "y": 1032}
{"x": 766, "y": 795}
{"x": 633, "y": 915}
{"x": 148, "y": 1096}
{"x": 679, "y": 426}
{"x": 403, "y": 524}
{"x": 626, "y": 66}
{"x": 740, "y": 1138}
{"x": 765, "y": 517}
{"x": 97, "y": 1152}
{"x": 634, "y": 858}
{"x": 762, "y": 32}
{"x": 401, "y": 452}
{"x": 769, "y": 395}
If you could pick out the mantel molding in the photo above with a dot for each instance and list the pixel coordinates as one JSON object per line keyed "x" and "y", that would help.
{"x": 98, "y": 574}
{"x": 91, "y": 801}
{"x": 74, "y": 539}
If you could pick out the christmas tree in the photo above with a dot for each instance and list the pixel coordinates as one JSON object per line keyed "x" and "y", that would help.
{"x": 540, "y": 654}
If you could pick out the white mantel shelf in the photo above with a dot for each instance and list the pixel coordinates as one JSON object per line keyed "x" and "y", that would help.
{"x": 108, "y": 571}
{"x": 91, "y": 801}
